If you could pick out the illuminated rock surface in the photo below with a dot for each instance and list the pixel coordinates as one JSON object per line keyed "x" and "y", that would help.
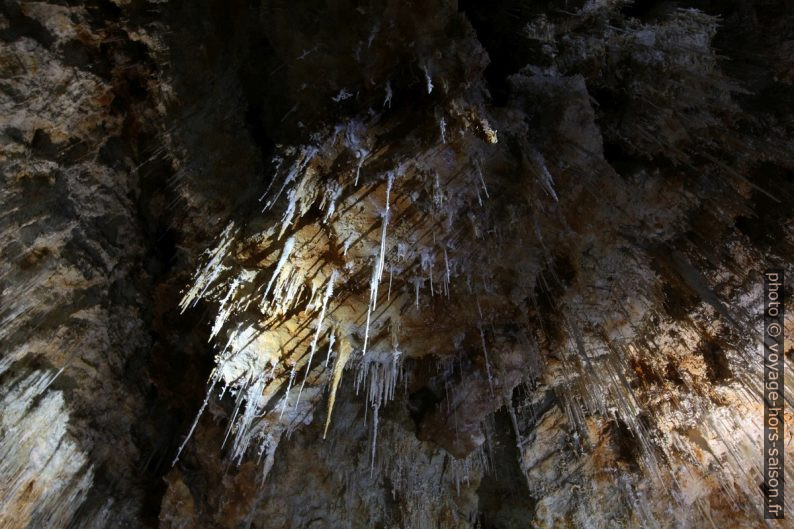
{"x": 498, "y": 264}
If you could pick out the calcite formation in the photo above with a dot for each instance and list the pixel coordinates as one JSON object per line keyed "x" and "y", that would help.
{"x": 387, "y": 264}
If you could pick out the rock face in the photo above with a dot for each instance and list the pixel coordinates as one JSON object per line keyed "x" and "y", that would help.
{"x": 388, "y": 264}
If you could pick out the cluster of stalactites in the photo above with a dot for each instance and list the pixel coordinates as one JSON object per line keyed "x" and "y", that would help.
{"x": 293, "y": 289}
